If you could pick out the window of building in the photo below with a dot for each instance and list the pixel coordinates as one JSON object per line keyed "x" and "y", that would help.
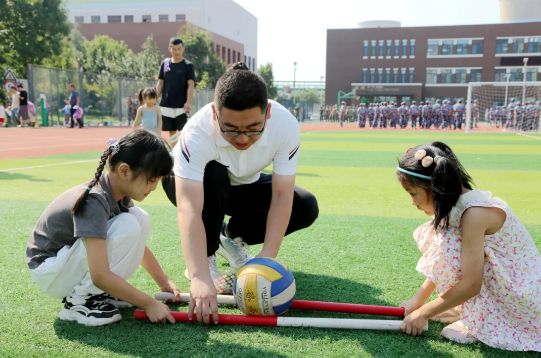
{"x": 461, "y": 76}
{"x": 388, "y": 75}
{"x": 431, "y": 77}
{"x": 403, "y": 76}
{"x": 380, "y": 47}
{"x": 373, "y": 48}
{"x": 95, "y": 19}
{"x": 518, "y": 46}
{"x": 395, "y": 75}
{"x": 502, "y": 46}
{"x": 254, "y": 64}
{"x": 365, "y": 49}
{"x": 499, "y": 75}
{"x": 475, "y": 75}
{"x": 163, "y": 18}
{"x": 180, "y": 17}
{"x": 447, "y": 47}
{"x": 244, "y": 59}
{"x": 533, "y": 44}
{"x": 372, "y": 75}
{"x": 433, "y": 48}
{"x": 477, "y": 47}
{"x": 397, "y": 47}
{"x": 147, "y": 18}
{"x": 462, "y": 47}
{"x": 234, "y": 55}
{"x": 380, "y": 75}
{"x": 365, "y": 75}
{"x": 114, "y": 19}
{"x": 228, "y": 56}
{"x": 412, "y": 48}
{"x": 531, "y": 74}
{"x": 412, "y": 71}
{"x": 128, "y": 18}
{"x": 404, "y": 47}
{"x": 238, "y": 56}
{"x": 79, "y": 19}
{"x": 516, "y": 75}
{"x": 389, "y": 48}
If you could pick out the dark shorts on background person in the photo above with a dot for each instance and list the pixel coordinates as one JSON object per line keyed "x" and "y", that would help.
{"x": 174, "y": 124}
{"x": 23, "y": 112}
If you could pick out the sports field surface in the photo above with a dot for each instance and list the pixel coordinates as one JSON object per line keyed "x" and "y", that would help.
{"x": 360, "y": 250}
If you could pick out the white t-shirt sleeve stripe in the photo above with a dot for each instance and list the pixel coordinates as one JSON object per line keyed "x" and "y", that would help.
{"x": 191, "y": 155}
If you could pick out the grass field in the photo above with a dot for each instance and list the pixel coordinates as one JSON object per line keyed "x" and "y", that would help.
{"x": 360, "y": 250}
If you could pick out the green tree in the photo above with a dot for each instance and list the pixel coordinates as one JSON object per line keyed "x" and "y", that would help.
{"x": 106, "y": 55}
{"x": 149, "y": 60}
{"x": 30, "y": 32}
{"x": 265, "y": 71}
{"x": 199, "y": 50}
{"x": 311, "y": 96}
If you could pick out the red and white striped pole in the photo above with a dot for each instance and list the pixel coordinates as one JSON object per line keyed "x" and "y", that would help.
{"x": 304, "y": 305}
{"x": 334, "y": 323}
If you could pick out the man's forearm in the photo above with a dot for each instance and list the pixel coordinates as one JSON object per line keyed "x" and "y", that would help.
{"x": 159, "y": 87}
{"x": 190, "y": 93}
{"x": 194, "y": 243}
{"x": 277, "y": 222}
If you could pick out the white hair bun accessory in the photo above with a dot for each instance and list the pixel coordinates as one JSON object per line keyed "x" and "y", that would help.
{"x": 420, "y": 154}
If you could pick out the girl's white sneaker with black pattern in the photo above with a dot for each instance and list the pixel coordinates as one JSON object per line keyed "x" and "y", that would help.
{"x": 89, "y": 311}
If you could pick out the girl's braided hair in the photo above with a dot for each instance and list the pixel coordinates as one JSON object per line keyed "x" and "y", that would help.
{"x": 145, "y": 153}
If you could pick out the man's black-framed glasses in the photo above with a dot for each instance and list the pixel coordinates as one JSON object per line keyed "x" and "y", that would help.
{"x": 246, "y": 133}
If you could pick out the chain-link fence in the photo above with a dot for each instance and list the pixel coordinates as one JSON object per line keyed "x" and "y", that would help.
{"x": 105, "y": 99}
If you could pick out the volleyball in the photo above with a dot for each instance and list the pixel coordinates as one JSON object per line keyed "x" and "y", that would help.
{"x": 264, "y": 287}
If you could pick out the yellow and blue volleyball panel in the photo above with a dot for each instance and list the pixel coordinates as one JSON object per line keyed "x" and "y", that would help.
{"x": 264, "y": 287}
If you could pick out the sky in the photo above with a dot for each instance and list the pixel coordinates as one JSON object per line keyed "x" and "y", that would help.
{"x": 296, "y": 30}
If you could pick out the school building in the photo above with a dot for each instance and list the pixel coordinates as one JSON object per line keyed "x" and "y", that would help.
{"x": 232, "y": 28}
{"x": 380, "y": 61}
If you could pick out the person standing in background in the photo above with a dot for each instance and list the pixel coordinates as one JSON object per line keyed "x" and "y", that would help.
{"x": 176, "y": 83}
{"x": 74, "y": 104}
{"x": 15, "y": 100}
{"x": 298, "y": 112}
{"x": 23, "y": 106}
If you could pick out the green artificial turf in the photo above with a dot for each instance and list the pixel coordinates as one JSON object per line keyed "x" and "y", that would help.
{"x": 360, "y": 250}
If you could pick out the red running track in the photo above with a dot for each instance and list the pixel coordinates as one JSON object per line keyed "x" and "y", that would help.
{"x": 36, "y": 142}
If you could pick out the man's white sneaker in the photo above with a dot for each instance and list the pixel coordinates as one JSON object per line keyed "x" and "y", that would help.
{"x": 223, "y": 284}
{"x": 234, "y": 250}
{"x": 213, "y": 268}
{"x": 90, "y": 310}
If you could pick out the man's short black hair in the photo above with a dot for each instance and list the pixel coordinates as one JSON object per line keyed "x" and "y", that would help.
{"x": 71, "y": 85}
{"x": 20, "y": 85}
{"x": 175, "y": 41}
{"x": 239, "y": 89}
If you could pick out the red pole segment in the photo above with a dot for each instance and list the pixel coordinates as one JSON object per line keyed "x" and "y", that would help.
{"x": 306, "y": 305}
{"x": 222, "y": 319}
{"x": 348, "y": 308}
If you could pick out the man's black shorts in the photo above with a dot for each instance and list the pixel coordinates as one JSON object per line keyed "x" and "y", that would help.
{"x": 174, "y": 124}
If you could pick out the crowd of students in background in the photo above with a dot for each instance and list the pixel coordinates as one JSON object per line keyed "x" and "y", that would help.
{"x": 441, "y": 115}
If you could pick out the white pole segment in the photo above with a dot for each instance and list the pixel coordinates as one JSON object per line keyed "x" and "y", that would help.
{"x": 185, "y": 297}
{"x": 338, "y": 323}
{"x": 468, "y": 109}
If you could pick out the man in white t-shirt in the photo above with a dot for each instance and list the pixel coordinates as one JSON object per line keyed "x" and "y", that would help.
{"x": 218, "y": 162}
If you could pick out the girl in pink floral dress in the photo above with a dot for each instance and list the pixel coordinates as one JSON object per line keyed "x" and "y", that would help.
{"x": 476, "y": 254}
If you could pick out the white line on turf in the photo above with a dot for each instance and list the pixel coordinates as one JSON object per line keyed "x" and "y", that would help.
{"x": 49, "y": 165}
{"x": 529, "y": 136}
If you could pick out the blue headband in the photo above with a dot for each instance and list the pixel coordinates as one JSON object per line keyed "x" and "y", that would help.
{"x": 414, "y": 174}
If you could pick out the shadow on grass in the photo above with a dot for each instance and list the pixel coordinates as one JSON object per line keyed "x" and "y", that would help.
{"x": 143, "y": 339}
{"x": 18, "y": 176}
{"x": 311, "y": 175}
